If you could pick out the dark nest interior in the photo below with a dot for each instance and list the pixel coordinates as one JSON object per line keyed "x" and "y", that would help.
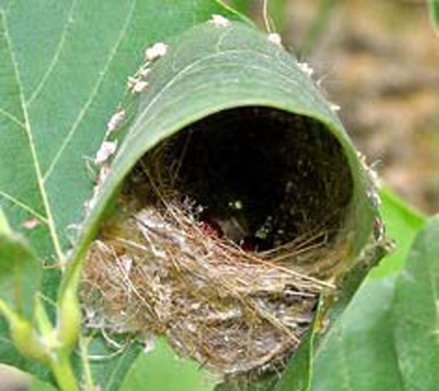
{"x": 223, "y": 239}
{"x": 265, "y": 169}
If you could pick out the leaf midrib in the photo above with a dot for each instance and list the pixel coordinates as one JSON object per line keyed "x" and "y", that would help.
{"x": 49, "y": 217}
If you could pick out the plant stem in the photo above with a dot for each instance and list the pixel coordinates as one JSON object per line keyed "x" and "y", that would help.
{"x": 62, "y": 369}
{"x": 84, "y": 346}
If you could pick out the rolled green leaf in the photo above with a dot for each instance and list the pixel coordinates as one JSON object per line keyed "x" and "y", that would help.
{"x": 224, "y": 117}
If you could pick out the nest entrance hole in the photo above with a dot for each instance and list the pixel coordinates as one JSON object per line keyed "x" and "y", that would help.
{"x": 261, "y": 175}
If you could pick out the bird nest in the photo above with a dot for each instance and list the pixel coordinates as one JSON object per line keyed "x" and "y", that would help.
{"x": 223, "y": 239}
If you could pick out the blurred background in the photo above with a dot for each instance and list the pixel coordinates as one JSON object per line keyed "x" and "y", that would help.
{"x": 379, "y": 61}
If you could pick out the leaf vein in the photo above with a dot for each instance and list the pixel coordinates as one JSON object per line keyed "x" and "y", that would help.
{"x": 12, "y": 118}
{"x": 24, "y": 206}
{"x": 93, "y": 94}
{"x": 55, "y": 58}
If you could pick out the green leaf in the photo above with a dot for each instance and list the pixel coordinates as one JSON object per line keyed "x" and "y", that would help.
{"x": 298, "y": 373}
{"x": 362, "y": 336}
{"x": 358, "y": 352}
{"x": 64, "y": 66}
{"x": 209, "y": 69}
{"x": 11, "y": 356}
{"x": 386, "y": 339}
{"x": 344, "y": 322}
{"x": 434, "y": 14}
{"x": 416, "y": 312}
{"x": 161, "y": 369}
{"x": 402, "y": 225}
{"x": 38, "y": 385}
{"x": 20, "y": 281}
{"x": 5, "y": 229}
{"x": 110, "y": 365}
{"x": 19, "y": 275}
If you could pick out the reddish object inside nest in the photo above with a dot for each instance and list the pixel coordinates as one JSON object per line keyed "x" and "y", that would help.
{"x": 211, "y": 228}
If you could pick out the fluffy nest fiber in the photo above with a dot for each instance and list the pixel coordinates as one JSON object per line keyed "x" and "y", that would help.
{"x": 224, "y": 238}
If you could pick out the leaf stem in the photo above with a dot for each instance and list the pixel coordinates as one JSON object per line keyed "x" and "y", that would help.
{"x": 84, "y": 346}
{"x": 62, "y": 369}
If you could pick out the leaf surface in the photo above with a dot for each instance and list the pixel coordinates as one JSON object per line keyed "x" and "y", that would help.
{"x": 387, "y": 338}
{"x": 358, "y": 353}
{"x": 402, "y": 224}
{"x": 416, "y": 312}
{"x": 110, "y": 365}
{"x": 298, "y": 373}
{"x": 162, "y": 370}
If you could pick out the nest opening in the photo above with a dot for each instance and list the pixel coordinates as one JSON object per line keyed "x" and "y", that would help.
{"x": 257, "y": 172}
{"x": 224, "y": 237}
